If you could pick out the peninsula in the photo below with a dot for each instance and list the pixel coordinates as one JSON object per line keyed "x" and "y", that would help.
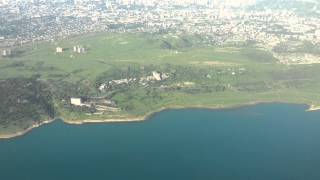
{"x": 121, "y": 77}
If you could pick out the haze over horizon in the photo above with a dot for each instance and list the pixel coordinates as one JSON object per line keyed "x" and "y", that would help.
{"x": 152, "y": 2}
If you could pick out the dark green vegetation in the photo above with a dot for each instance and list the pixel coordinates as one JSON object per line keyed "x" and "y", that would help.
{"x": 24, "y": 102}
{"x": 193, "y": 72}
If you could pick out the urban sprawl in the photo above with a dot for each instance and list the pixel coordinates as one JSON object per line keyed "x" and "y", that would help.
{"x": 281, "y": 31}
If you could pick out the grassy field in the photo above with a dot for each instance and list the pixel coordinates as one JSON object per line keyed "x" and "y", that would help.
{"x": 200, "y": 74}
{"x": 107, "y": 50}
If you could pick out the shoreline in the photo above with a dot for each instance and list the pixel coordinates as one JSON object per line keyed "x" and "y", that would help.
{"x": 311, "y": 108}
{"x": 25, "y": 131}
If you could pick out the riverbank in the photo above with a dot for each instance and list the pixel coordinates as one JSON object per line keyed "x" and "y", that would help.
{"x": 141, "y": 118}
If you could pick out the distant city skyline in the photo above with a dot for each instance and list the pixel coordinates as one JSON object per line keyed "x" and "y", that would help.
{"x": 149, "y": 2}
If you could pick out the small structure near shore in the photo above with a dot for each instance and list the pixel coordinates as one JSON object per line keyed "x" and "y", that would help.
{"x": 76, "y": 101}
{"x": 99, "y": 104}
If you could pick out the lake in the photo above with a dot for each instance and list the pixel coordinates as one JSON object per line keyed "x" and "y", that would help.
{"x": 262, "y": 142}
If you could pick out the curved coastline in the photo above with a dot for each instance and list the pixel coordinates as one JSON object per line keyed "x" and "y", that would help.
{"x": 311, "y": 108}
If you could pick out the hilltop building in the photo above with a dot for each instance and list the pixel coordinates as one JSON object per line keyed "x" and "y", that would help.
{"x": 79, "y": 49}
{"x": 59, "y": 49}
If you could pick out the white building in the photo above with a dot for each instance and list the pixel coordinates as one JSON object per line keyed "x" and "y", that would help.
{"x": 59, "y": 49}
{"x": 79, "y": 49}
{"x": 76, "y": 101}
{"x": 6, "y": 52}
{"x": 156, "y": 75}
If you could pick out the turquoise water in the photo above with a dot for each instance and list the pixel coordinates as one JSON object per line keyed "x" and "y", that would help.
{"x": 264, "y": 142}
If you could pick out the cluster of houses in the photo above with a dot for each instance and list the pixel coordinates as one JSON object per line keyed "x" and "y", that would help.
{"x": 156, "y": 76}
{"x": 76, "y": 49}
